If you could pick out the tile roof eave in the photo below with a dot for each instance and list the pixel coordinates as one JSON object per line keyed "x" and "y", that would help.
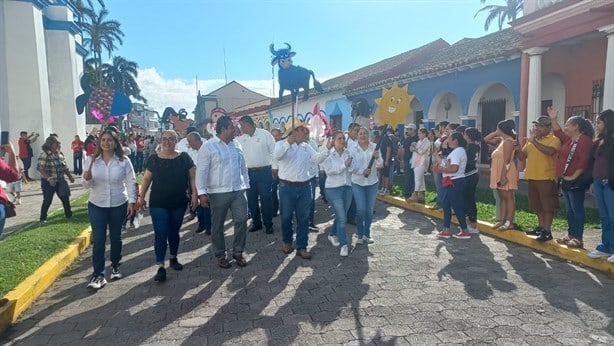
{"x": 426, "y": 74}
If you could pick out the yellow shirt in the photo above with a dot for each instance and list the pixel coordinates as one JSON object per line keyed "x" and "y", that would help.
{"x": 539, "y": 165}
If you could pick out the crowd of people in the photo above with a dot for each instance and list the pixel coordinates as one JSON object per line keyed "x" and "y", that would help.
{"x": 258, "y": 175}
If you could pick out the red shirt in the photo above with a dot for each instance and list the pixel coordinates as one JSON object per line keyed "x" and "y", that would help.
{"x": 580, "y": 156}
{"x": 23, "y": 148}
{"x": 90, "y": 148}
{"x": 77, "y": 146}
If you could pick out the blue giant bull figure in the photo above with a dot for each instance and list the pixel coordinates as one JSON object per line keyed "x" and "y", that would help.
{"x": 292, "y": 77}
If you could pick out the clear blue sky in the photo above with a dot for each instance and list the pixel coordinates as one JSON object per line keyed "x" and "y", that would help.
{"x": 175, "y": 40}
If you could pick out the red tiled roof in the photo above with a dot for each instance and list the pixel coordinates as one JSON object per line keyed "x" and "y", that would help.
{"x": 387, "y": 66}
{"x": 466, "y": 52}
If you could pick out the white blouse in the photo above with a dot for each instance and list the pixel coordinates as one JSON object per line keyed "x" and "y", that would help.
{"x": 360, "y": 162}
{"x": 112, "y": 184}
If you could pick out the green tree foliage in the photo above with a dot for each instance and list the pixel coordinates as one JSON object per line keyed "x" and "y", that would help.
{"x": 501, "y": 13}
{"x": 121, "y": 75}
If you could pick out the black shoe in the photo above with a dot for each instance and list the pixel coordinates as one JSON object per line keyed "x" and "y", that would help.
{"x": 207, "y": 231}
{"x": 160, "y": 275}
{"x": 223, "y": 263}
{"x": 254, "y": 228}
{"x": 199, "y": 230}
{"x": 174, "y": 263}
{"x": 270, "y": 229}
{"x": 536, "y": 231}
{"x": 544, "y": 236}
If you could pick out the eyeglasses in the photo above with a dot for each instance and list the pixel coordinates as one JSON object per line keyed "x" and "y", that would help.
{"x": 169, "y": 139}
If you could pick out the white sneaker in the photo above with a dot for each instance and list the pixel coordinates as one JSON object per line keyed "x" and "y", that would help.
{"x": 359, "y": 241}
{"x": 333, "y": 240}
{"x": 598, "y": 254}
{"x": 367, "y": 240}
{"x": 97, "y": 282}
{"x": 470, "y": 229}
{"x": 611, "y": 259}
{"x": 116, "y": 274}
{"x": 17, "y": 201}
{"x": 344, "y": 251}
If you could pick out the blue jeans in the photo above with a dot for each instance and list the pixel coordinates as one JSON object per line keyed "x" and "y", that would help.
{"x": 2, "y": 217}
{"x": 100, "y": 219}
{"x": 438, "y": 177}
{"x": 604, "y": 196}
{"x": 48, "y": 192}
{"x": 166, "y": 224}
{"x": 275, "y": 196}
{"x": 203, "y": 214}
{"x": 364, "y": 196}
{"x": 340, "y": 199}
{"x": 454, "y": 198}
{"x": 77, "y": 162}
{"x": 138, "y": 160}
{"x": 295, "y": 200}
{"x": 312, "y": 206}
{"x": 260, "y": 197}
{"x": 574, "y": 200}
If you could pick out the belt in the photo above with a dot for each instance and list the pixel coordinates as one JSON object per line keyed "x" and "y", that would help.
{"x": 294, "y": 183}
{"x": 254, "y": 169}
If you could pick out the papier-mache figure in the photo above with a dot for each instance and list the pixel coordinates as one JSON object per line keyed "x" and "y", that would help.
{"x": 292, "y": 77}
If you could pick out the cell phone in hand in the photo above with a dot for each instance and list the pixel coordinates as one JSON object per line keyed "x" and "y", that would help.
{"x": 4, "y": 137}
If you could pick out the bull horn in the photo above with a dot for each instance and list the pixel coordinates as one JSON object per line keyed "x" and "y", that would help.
{"x": 289, "y": 47}
{"x": 272, "y": 49}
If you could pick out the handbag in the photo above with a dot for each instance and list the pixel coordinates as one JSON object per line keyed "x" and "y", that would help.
{"x": 9, "y": 209}
{"x": 62, "y": 188}
{"x": 582, "y": 182}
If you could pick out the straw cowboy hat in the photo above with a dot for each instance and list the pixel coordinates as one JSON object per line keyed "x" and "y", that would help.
{"x": 297, "y": 123}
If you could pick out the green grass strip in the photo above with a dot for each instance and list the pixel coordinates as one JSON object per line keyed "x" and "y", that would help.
{"x": 525, "y": 219}
{"x": 23, "y": 253}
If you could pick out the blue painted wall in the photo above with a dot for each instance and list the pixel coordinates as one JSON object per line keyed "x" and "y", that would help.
{"x": 464, "y": 84}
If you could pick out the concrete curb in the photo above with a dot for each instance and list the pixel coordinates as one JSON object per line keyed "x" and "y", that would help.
{"x": 574, "y": 255}
{"x": 22, "y": 296}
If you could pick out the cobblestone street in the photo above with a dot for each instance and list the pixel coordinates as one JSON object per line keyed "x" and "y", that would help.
{"x": 407, "y": 288}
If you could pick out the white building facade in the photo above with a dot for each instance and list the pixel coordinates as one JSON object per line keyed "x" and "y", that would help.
{"x": 41, "y": 60}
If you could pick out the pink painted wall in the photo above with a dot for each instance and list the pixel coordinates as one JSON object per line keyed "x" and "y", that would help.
{"x": 578, "y": 65}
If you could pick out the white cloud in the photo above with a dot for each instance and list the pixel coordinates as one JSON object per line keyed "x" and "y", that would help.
{"x": 179, "y": 93}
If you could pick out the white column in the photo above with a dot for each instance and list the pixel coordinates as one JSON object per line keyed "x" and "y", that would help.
{"x": 534, "y": 99}
{"x": 608, "y": 81}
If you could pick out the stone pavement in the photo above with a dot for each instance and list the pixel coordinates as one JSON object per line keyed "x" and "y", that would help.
{"x": 407, "y": 288}
{"x": 28, "y": 212}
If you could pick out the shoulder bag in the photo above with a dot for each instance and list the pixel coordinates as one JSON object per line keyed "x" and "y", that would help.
{"x": 582, "y": 182}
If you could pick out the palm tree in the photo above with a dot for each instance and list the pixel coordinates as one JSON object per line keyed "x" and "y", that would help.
{"x": 101, "y": 34}
{"x": 503, "y": 13}
{"x": 85, "y": 8}
{"x": 121, "y": 75}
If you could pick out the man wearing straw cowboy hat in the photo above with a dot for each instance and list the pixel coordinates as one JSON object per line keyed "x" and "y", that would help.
{"x": 294, "y": 155}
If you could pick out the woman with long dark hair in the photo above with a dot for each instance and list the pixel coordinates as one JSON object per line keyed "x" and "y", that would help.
{"x": 602, "y": 156}
{"x": 503, "y": 172}
{"x": 364, "y": 184}
{"x": 453, "y": 185}
{"x": 576, "y": 141}
{"x": 110, "y": 177}
{"x": 339, "y": 189}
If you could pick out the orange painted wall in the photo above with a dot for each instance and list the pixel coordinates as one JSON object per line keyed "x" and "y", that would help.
{"x": 578, "y": 66}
